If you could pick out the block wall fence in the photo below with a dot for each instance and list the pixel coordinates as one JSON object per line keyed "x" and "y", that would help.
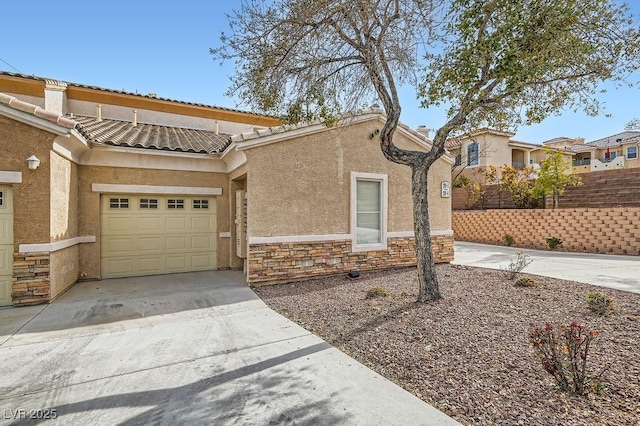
{"x": 587, "y": 230}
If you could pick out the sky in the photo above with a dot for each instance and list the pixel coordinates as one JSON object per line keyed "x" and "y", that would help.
{"x": 163, "y": 48}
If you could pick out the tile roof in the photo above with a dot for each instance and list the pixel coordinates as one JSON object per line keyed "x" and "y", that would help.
{"x": 150, "y": 136}
{"x": 36, "y": 111}
{"x": 124, "y": 92}
{"x": 532, "y": 145}
{"x": 611, "y": 141}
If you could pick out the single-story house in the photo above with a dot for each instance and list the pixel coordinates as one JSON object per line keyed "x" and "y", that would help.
{"x": 98, "y": 183}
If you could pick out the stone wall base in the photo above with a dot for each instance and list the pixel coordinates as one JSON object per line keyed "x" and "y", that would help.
{"x": 31, "y": 279}
{"x": 285, "y": 262}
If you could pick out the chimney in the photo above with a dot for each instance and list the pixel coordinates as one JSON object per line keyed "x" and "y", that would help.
{"x": 99, "y": 112}
{"x": 217, "y": 127}
{"x": 578, "y": 141}
{"x": 55, "y": 96}
{"x": 422, "y": 129}
{"x": 135, "y": 118}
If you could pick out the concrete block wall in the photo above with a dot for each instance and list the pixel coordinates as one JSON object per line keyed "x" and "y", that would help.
{"x": 285, "y": 262}
{"x": 590, "y": 230}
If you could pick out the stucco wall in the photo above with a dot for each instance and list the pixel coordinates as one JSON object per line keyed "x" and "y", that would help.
{"x": 64, "y": 269}
{"x": 89, "y": 205}
{"x": 18, "y": 141}
{"x": 302, "y": 186}
{"x": 64, "y": 198}
{"x": 591, "y": 230}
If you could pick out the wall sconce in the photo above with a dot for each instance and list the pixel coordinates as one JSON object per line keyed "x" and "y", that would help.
{"x": 33, "y": 162}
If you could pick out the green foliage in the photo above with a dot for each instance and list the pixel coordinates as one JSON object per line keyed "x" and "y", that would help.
{"x": 633, "y": 124}
{"x": 602, "y": 303}
{"x": 516, "y": 266}
{"x": 564, "y": 355}
{"x": 519, "y": 184}
{"x": 462, "y": 181}
{"x": 555, "y": 174}
{"x": 376, "y": 292}
{"x": 508, "y": 239}
{"x": 525, "y": 282}
{"x": 554, "y": 242}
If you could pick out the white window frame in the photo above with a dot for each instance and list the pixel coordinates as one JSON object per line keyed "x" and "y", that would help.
{"x": 635, "y": 154}
{"x": 384, "y": 204}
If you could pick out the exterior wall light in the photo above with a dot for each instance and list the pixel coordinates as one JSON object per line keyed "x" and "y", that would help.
{"x": 33, "y": 162}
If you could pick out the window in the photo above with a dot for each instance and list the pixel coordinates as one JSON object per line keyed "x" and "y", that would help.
{"x": 632, "y": 152}
{"x": 458, "y": 160}
{"x": 118, "y": 203}
{"x": 368, "y": 211}
{"x": 148, "y": 203}
{"x": 175, "y": 204}
{"x": 472, "y": 154}
{"x": 200, "y": 204}
{"x": 1, "y": 198}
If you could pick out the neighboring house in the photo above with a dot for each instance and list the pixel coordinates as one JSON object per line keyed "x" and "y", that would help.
{"x": 619, "y": 151}
{"x": 485, "y": 147}
{"x": 132, "y": 184}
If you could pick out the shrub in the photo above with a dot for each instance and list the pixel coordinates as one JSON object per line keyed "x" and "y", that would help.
{"x": 509, "y": 239}
{"x": 516, "y": 265}
{"x": 564, "y": 355}
{"x": 376, "y": 292}
{"x": 601, "y": 303}
{"x": 554, "y": 242}
{"x": 525, "y": 282}
{"x": 461, "y": 181}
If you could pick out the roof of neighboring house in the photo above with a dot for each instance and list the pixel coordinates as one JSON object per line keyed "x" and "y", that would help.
{"x": 526, "y": 144}
{"x": 558, "y": 139}
{"x": 614, "y": 140}
{"x": 150, "y": 136}
{"x": 122, "y": 92}
{"x": 15, "y": 103}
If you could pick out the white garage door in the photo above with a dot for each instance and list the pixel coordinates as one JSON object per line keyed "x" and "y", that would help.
{"x": 156, "y": 234}
{"x": 6, "y": 244}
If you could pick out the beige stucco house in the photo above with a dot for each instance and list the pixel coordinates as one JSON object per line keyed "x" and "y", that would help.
{"x": 97, "y": 184}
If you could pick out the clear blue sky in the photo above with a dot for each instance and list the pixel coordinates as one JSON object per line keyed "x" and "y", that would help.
{"x": 163, "y": 48}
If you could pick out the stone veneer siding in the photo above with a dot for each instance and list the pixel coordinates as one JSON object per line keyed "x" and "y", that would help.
{"x": 284, "y": 262}
{"x": 31, "y": 279}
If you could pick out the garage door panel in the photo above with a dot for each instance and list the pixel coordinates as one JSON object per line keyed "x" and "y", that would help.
{"x": 119, "y": 246}
{"x": 118, "y": 267}
{"x": 6, "y": 229}
{"x": 202, "y": 242}
{"x": 175, "y": 224}
{"x": 140, "y": 240}
{"x": 6, "y": 244}
{"x": 149, "y": 244}
{"x": 176, "y": 243}
{"x": 6, "y": 260}
{"x": 152, "y": 224}
{"x": 118, "y": 224}
{"x": 203, "y": 224}
{"x": 202, "y": 261}
{"x": 149, "y": 265}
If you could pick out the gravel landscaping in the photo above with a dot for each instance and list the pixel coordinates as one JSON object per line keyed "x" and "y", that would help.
{"x": 469, "y": 354}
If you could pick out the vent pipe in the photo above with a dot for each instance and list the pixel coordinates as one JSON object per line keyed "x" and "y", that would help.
{"x": 99, "y": 112}
{"x": 135, "y": 118}
{"x": 217, "y": 127}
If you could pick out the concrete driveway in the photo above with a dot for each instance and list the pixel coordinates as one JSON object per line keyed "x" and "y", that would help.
{"x": 197, "y": 348}
{"x": 619, "y": 272}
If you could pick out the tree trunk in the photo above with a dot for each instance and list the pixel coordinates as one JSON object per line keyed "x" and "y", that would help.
{"x": 427, "y": 277}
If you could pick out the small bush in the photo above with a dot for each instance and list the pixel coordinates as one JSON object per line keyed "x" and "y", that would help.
{"x": 516, "y": 265}
{"x": 376, "y": 292}
{"x": 564, "y": 355}
{"x": 509, "y": 239}
{"x": 525, "y": 282}
{"x": 554, "y": 242}
{"x": 601, "y": 303}
{"x": 462, "y": 181}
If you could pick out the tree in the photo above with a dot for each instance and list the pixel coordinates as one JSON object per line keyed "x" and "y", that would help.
{"x": 555, "y": 174}
{"x": 519, "y": 184}
{"x": 493, "y": 62}
{"x": 633, "y": 124}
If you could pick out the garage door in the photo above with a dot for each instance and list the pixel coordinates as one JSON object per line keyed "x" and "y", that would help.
{"x": 6, "y": 244}
{"x": 156, "y": 234}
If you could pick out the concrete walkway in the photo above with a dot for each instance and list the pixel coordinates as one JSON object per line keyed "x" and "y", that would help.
{"x": 619, "y": 272}
{"x": 196, "y": 348}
